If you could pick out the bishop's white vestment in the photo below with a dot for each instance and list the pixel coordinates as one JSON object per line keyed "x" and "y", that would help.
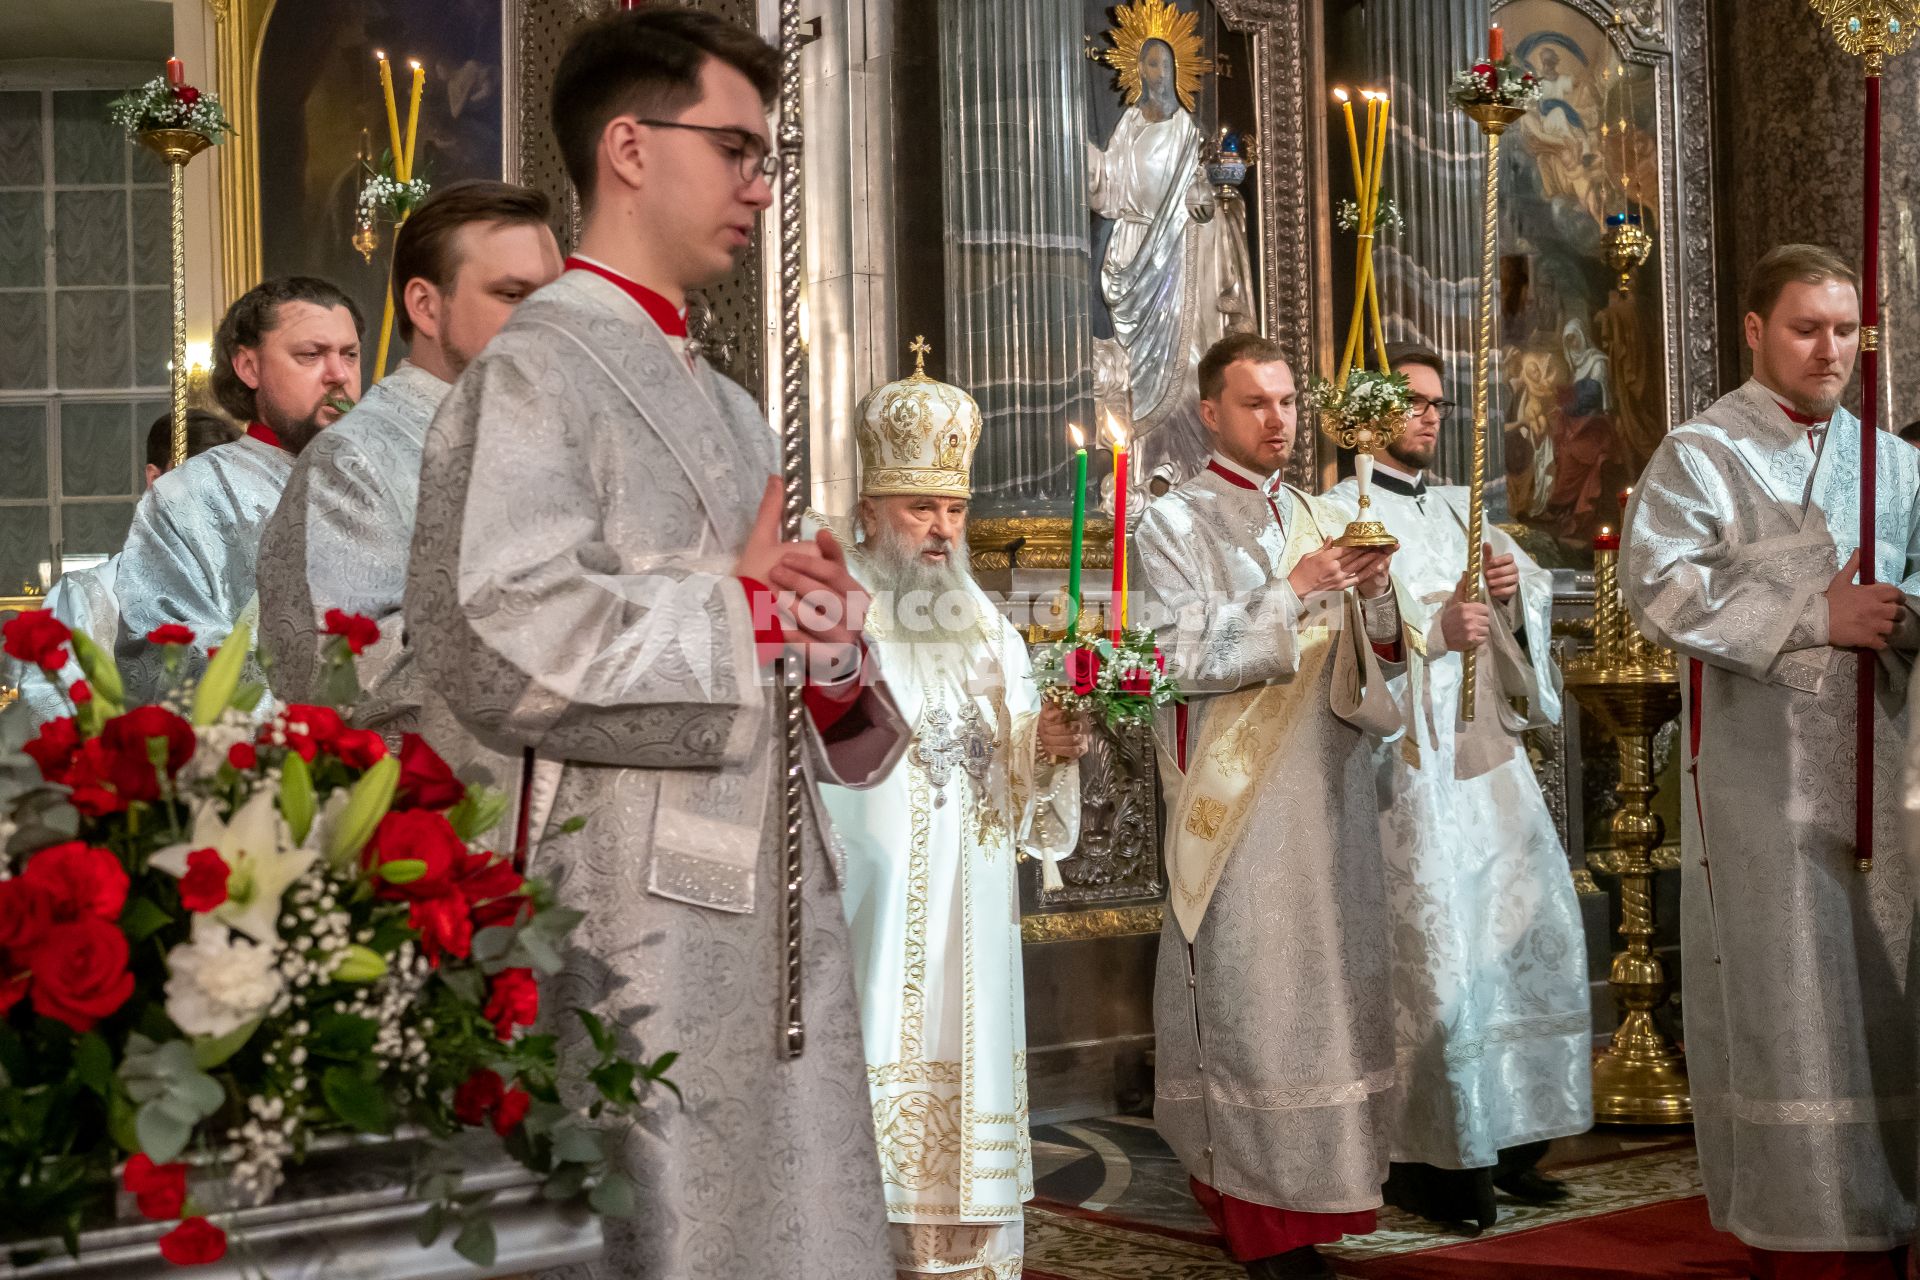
{"x": 1273, "y": 1020}
{"x": 585, "y": 492}
{"x": 1493, "y": 1032}
{"x": 1799, "y": 969}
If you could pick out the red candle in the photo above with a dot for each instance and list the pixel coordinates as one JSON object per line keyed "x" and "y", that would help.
{"x": 1606, "y": 539}
{"x": 176, "y": 72}
{"x": 1496, "y": 43}
{"x": 1118, "y": 613}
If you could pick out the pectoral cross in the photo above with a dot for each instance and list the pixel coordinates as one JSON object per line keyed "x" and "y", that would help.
{"x": 938, "y": 749}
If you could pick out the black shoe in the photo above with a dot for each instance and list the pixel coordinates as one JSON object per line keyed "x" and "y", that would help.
{"x": 1530, "y": 1186}
{"x": 1459, "y": 1199}
{"x": 1304, "y": 1263}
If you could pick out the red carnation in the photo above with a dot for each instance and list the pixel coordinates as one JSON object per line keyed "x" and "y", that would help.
{"x": 360, "y": 748}
{"x": 493, "y": 890}
{"x": 1137, "y": 682}
{"x": 37, "y": 638}
{"x": 416, "y": 835}
{"x": 26, "y": 913}
{"x": 171, "y": 633}
{"x": 54, "y": 749}
{"x": 195, "y": 1242}
{"x": 242, "y": 756}
{"x": 425, "y": 780}
{"x": 1083, "y": 669}
{"x": 478, "y": 1096}
{"x": 204, "y": 887}
{"x": 127, "y": 741}
{"x": 511, "y": 1111}
{"x": 359, "y": 631}
{"x": 311, "y": 730}
{"x": 80, "y": 882}
{"x": 90, "y": 780}
{"x": 513, "y": 1001}
{"x": 81, "y": 692}
{"x": 444, "y": 926}
{"x": 160, "y": 1189}
{"x": 80, "y": 973}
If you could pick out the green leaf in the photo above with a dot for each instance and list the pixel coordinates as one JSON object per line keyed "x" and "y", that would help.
{"x": 603, "y": 1041}
{"x": 142, "y": 919}
{"x": 492, "y": 943}
{"x": 161, "y": 1136}
{"x": 345, "y": 1036}
{"x": 475, "y": 1242}
{"x": 568, "y": 1181}
{"x": 222, "y": 677}
{"x": 93, "y": 1064}
{"x": 296, "y": 794}
{"x": 210, "y": 1051}
{"x": 465, "y": 983}
{"x": 577, "y": 1144}
{"x": 612, "y": 1198}
{"x": 478, "y": 812}
{"x": 120, "y": 1121}
{"x": 572, "y": 825}
{"x": 356, "y": 1100}
{"x": 432, "y": 1223}
{"x": 615, "y": 1082}
{"x": 174, "y": 1094}
{"x": 247, "y": 696}
{"x": 542, "y": 954}
{"x": 402, "y": 870}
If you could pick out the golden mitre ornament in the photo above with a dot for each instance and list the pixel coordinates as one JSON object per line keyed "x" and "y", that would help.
{"x": 1146, "y": 20}
{"x": 917, "y": 436}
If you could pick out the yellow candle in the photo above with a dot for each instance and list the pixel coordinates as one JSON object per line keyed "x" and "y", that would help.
{"x": 413, "y": 117}
{"x": 1353, "y": 142}
{"x": 393, "y": 111}
{"x": 1363, "y": 255}
{"x": 1373, "y": 212}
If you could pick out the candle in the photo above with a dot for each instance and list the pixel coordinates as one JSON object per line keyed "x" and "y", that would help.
{"x": 1496, "y": 43}
{"x": 413, "y": 116}
{"x": 1353, "y": 143}
{"x": 1373, "y": 209}
{"x": 393, "y": 112}
{"x": 1119, "y": 614}
{"x": 1606, "y": 539}
{"x": 1079, "y": 527}
{"x": 176, "y": 72}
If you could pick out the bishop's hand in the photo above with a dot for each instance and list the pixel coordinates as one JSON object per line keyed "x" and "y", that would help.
{"x": 1061, "y": 736}
{"x": 1860, "y": 617}
{"x": 828, "y": 604}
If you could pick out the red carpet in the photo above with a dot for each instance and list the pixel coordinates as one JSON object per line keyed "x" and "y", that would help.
{"x": 1672, "y": 1241}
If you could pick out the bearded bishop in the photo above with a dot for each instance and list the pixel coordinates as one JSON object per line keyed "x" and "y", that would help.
{"x": 1492, "y": 1022}
{"x": 930, "y": 886}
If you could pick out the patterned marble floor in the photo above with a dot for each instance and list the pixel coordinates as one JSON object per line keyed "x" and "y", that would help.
{"x": 1150, "y": 1229}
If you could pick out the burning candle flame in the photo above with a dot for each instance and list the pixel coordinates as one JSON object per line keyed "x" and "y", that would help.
{"x": 1079, "y": 437}
{"x": 380, "y": 54}
{"x": 1340, "y": 95}
{"x": 1116, "y": 432}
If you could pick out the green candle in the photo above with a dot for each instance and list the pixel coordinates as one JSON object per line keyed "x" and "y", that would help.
{"x": 1079, "y": 527}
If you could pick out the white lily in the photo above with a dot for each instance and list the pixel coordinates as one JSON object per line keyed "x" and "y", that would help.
{"x": 260, "y": 857}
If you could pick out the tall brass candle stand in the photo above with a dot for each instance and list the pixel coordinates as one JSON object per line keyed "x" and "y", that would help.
{"x": 178, "y": 147}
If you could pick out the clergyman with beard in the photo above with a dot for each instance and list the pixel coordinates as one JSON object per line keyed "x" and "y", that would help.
{"x": 286, "y": 363}
{"x": 1492, "y": 1022}
{"x": 1741, "y": 555}
{"x": 931, "y": 852}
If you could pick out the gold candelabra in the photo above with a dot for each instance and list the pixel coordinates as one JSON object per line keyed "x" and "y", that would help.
{"x": 1628, "y": 244}
{"x": 178, "y": 147}
{"x": 1631, "y": 686}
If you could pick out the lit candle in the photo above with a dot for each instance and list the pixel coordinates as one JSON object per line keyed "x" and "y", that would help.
{"x": 1373, "y": 210}
{"x": 1496, "y": 43}
{"x": 413, "y": 115}
{"x": 1119, "y": 437}
{"x": 176, "y": 72}
{"x": 1079, "y": 527}
{"x": 393, "y": 111}
{"x": 1353, "y": 143}
{"x": 1606, "y": 539}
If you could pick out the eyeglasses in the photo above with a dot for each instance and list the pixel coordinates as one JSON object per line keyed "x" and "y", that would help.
{"x": 1418, "y": 405}
{"x": 747, "y": 150}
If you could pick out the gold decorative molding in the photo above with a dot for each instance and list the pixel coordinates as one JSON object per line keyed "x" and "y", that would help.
{"x": 1075, "y": 926}
{"x": 1048, "y": 542}
{"x": 241, "y": 26}
{"x": 1583, "y": 881}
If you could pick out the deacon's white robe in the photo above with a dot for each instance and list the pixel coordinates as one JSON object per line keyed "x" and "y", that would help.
{"x": 584, "y": 495}
{"x": 934, "y": 905}
{"x": 1798, "y": 990}
{"x": 1273, "y": 1020}
{"x": 1493, "y": 1032}
{"x": 191, "y": 557}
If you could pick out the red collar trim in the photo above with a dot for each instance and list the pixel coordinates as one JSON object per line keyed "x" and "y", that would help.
{"x": 264, "y": 434}
{"x": 672, "y": 320}
{"x": 1233, "y": 478}
{"x": 1805, "y": 420}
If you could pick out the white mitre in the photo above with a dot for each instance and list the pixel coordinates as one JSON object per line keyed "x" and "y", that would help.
{"x": 917, "y": 436}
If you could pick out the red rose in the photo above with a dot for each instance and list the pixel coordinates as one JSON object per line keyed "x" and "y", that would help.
{"x": 513, "y": 1001}
{"x": 204, "y": 887}
{"x": 360, "y": 748}
{"x": 425, "y": 780}
{"x": 80, "y": 882}
{"x": 80, "y": 973}
{"x": 242, "y": 756}
{"x": 54, "y": 749}
{"x": 478, "y": 1096}
{"x": 511, "y": 1111}
{"x": 195, "y": 1242}
{"x": 1483, "y": 69}
{"x": 171, "y": 633}
{"x": 161, "y": 1189}
{"x": 128, "y": 742}
{"x": 416, "y": 835}
{"x": 81, "y": 692}
{"x": 311, "y": 730}
{"x": 360, "y": 632}
{"x": 1138, "y": 682}
{"x": 26, "y": 913}
{"x": 188, "y": 95}
{"x": 12, "y": 991}
{"x": 37, "y": 638}
{"x": 1083, "y": 669}
{"x": 444, "y": 926}
{"x": 493, "y": 890}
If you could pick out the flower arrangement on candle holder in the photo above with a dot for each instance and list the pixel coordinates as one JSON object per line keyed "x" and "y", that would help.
{"x": 1369, "y": 408}
{"x": 218, "y": 942}
{"x": 1348, "y": 216}
{"x": 385, "y": 196}
{"x": 1492, "y": 83}
{"x": 1124, "y": 682}
{"x": 158, "y": 104}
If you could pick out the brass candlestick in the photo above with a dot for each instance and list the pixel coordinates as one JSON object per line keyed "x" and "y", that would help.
{"x": 178, "y": 147}
{"x": 1632, "y": 687}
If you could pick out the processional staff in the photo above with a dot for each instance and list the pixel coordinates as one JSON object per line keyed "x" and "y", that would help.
{"x": 1869, "y": 30}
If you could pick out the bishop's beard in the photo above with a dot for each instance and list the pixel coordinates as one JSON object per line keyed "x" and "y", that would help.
{"x": 926, "y": 602}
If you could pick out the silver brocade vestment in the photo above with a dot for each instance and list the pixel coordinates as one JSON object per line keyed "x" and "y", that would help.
{"x": 583, "y": 498}
{"x": 1289, "y": 1103}
{"x": 190, "y": 557}
{"x": 1798, "y": 978}
{"x": 1492, "y": 1012}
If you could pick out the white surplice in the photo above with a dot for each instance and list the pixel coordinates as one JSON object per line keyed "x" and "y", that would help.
{"x": 1492, "y": 1015}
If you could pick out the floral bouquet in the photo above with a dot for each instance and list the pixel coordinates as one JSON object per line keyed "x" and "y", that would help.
{"x": 385, "y": 197}
{"x": 218, "y": 942}
{"x": 1499, "y": 84}
{"x": 1123, "y": 682}
{"x": 1368, "y": 408}
{"x": 160, "y": 105}
{"x": 1387, "y": 219}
